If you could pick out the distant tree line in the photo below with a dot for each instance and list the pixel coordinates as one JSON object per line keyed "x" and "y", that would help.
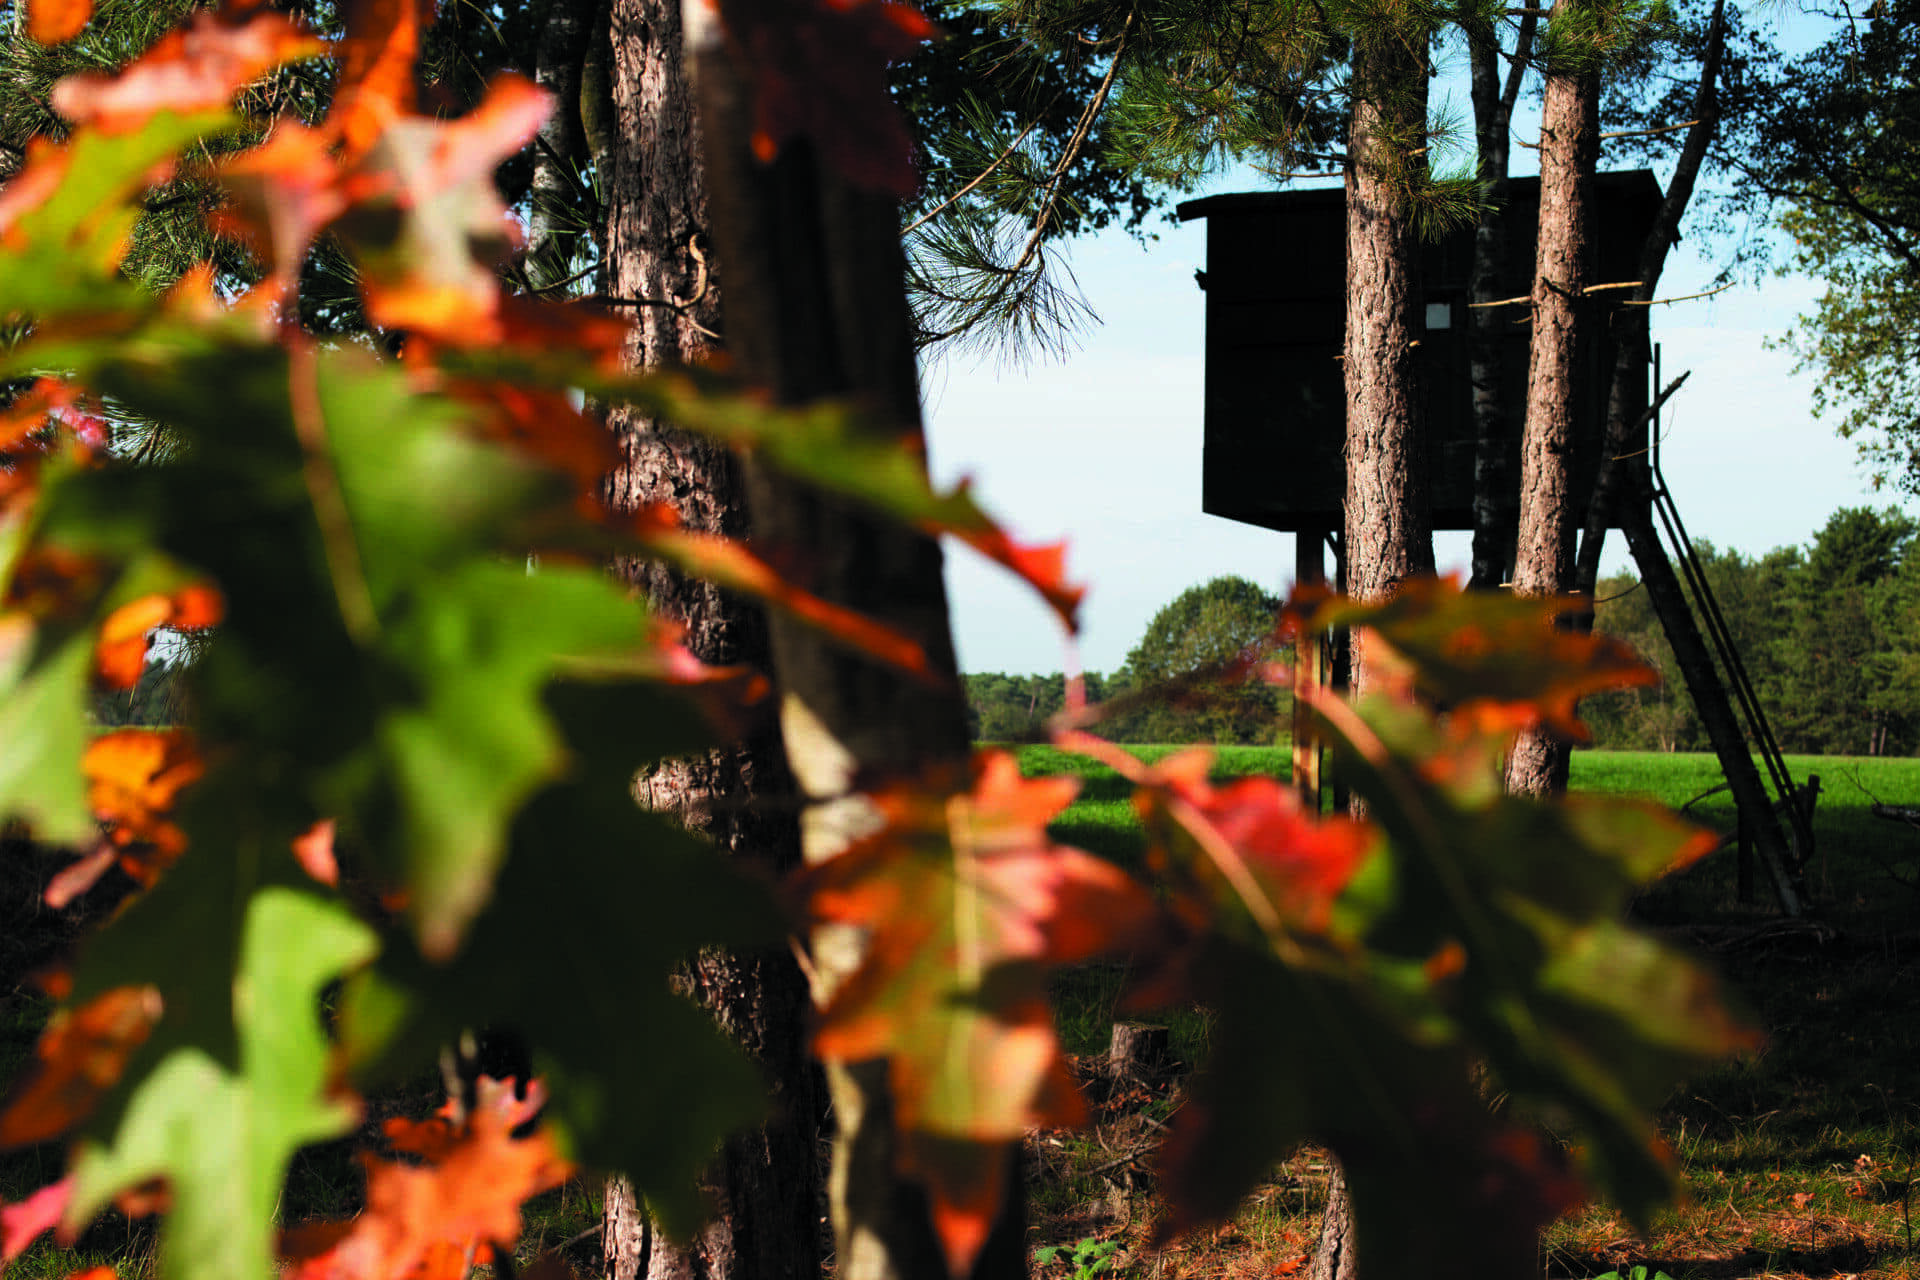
{"x": 1171, "y": 687}
{"x": 1829, "y": 634}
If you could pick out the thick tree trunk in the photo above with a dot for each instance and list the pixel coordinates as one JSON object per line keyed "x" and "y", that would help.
{"x": 816, "y": 307}
{"x": 1543, "y": 560}
{"x": 1620, "y": 462}
{"x": 1389, "y": 529}
{"x": 1493, "y": 481}
{"x": 1389, "y": 525}
{"x": 763, "y": 1184}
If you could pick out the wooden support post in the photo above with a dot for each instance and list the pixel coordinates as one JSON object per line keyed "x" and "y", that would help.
{"x": 1710, "y": 699}
{"x": 1309, "y": 669}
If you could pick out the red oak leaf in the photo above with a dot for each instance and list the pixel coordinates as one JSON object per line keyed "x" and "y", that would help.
{"x": 198, "y": 66}
{"x": 544, "y": 424}
{"x": 122, "y": 651}
{"x": 727, "y": 563}
{"x": 313, "y": 849}
{"x": 967, "y": 905}
{"x": 80, "y": 1056}
{"x": 1044, "y": 567}
{"x": 818, "y": 70}
{"x": 52, "y": 581}
{"x": 78, "y": 876}
{"x": 22, "y": 1223}
{"x": 458, "y": 1193}
{"x": 1283, "y": 863}
{"x": 57, "y": 21}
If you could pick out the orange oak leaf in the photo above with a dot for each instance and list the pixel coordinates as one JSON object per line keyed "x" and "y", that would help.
{"x": 31, "y": 185}
{"x": 284, "y": 191}
{"x": 967, "y": 905}
{"x": 413, "y": 200}
{"x": 434, "y": 1213}
{"x": 80, "y": 1055}
{"x": 57, "y": 21}
{"x": 198, "y": 66}
{"x": 122, "y": 652}
{"x": 818, "y": 70}
{"x": 133, "y": 779}
{"x": 377, "y": 56}
{"x": 21, "y": 1224}
{"x": 1485, "y": 648}
{"x": 436, "y": 276}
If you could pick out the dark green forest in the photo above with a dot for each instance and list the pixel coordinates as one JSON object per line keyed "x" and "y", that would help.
{"x": 1829, "y": 632}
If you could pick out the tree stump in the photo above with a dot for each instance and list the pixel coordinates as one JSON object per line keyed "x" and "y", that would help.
{"x": 1139, "y": 1053}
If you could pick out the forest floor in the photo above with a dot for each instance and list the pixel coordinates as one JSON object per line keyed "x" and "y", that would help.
{"x": 1802, "y": 1159}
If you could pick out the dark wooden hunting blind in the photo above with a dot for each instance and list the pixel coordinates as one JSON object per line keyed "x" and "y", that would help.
{"x": 1276, "y": 314}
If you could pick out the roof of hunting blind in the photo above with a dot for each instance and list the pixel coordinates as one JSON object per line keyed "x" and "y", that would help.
{"x": 1276, "y": 313}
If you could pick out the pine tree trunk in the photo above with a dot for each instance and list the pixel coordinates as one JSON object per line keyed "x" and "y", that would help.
{"x": 816, "y": 308}
{"x": 1494, "y": 486}
{"x": 1389, "y": 527}
{"x": 1620, "y": 461}
{"x": 763, "y": 1184}
{"x": 1543, "y": 561}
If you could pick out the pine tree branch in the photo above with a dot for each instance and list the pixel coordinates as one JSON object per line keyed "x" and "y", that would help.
{"x": 1642, "y": 133}
{"x": 957, "y": 196}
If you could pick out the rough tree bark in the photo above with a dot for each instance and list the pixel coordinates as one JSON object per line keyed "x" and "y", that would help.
{"x": 1620, "y": 462}
{"x": 1389, "y": 527}
{"x": 1543, "y": 560}
{"x": 816, "y": 307}
{"x": 1493, "y": 482}
{"x": 763, "y": 1184}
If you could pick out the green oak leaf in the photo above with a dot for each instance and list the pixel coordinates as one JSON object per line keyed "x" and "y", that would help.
{"x": 44, "y": 730}
{"x": 220, "y": 1126}
{"x": 597, "y": 905}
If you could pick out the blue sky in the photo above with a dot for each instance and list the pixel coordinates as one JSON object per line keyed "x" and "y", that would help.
{"x": 1103, "y": 447}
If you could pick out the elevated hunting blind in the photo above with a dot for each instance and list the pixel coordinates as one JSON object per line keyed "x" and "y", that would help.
{"x": 1276, "y": 438}
{"x": 1276, "y": 312}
